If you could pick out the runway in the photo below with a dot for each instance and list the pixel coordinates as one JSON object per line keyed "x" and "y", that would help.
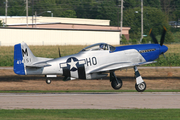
{"x": 124, "y": 100}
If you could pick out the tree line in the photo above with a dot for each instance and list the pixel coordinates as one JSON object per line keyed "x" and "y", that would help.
{"x": 157, "y": 13}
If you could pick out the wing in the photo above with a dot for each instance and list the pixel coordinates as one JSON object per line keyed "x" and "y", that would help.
{"x": 116, "y": 66}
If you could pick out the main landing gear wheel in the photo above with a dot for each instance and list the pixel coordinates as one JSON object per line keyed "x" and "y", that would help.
{"x": 116, "y": 83}
{"x": 48, "y": 81}
{"x": 140, "y": 87}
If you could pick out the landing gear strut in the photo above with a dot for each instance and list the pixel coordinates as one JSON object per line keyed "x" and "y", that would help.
{"x": 140, "y": 84}
{"x": 116, "y": 83}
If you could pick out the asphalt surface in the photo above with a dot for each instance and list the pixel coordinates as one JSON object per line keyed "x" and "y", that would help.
{"x": 124, "y": 100}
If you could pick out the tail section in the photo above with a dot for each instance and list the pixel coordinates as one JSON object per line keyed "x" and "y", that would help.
{"x": 22, "y": 57}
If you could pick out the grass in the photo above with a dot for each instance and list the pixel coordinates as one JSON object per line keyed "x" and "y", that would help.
{"x": 52, "y": 51}
{"x": 176, "y": 37}
{"x": 91, "y": 114}
{"x": 172, "y": 56}
{"x": 6, "y": 54}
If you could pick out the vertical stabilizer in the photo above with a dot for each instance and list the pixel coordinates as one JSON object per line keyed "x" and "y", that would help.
{"x": 22, "y": 57}
{"x": 18, "y": 65}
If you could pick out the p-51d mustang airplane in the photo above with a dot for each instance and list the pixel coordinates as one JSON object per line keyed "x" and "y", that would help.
{"x": 92, "y": 62}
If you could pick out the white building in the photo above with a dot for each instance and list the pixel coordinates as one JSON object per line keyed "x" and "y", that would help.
{"x": 59, "y": 31}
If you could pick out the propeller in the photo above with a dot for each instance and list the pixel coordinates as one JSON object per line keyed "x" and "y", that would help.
{"x": 162, "y": 36}
{"x": 59, "y": 52}
{"x": 162, "y": 47}
{"x": 153, "y": 37}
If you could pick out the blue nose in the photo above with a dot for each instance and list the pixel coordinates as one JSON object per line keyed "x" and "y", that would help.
{"x": 163, "y": 49}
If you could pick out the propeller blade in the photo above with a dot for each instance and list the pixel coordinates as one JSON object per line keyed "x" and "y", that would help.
{"x": 164, "y": 56}
{"x": 163, "y": 36}
{"x": 153, "y": 37}
{"x": 157, "y": 63}
{"x": 59, "y": 52}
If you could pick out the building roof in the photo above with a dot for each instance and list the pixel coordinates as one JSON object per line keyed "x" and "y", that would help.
{"x": 17, "y": 20}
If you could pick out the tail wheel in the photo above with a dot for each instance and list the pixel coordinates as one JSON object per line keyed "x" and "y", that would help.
{"x": 48, "y": 81}
{"x": 140, "y": 87}
{"x": 116, "y": 83}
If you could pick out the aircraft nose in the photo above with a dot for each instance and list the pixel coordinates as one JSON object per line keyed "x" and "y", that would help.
{"x": 163, "y": 49}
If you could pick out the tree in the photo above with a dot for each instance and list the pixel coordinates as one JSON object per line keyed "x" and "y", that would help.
{"x": 169, "y": 38}
{"x": 66, "y": 8}
{"x": 175, "y": 11}
{"x": 59, "y": 8}
{"x": 128, "y": 4}
{"x": 16, "y": 8}
{"x": 166, "y": 6}
{"x": 124, "y": 40}
{"x": 41, "y": 6}
{"x": 87, "y": 9}
{"x": 153, "y": 18}
{"x": 133, "y": 20}
{"x": 2, "y": 7}
{"x": 152, "y": 3}
{"x": 108, "y": 10}
{"x": 69, "y": 14}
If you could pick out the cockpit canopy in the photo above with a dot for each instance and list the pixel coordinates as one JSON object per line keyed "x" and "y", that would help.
{"x": 99, "y": 46}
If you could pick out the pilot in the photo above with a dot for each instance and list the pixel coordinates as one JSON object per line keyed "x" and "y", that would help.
{"x": 101, "y": 46}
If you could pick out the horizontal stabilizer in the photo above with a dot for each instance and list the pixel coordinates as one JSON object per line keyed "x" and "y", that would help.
{"x": 39, "y": 65}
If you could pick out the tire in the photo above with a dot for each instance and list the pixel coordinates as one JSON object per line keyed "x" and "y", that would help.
{"x": 116, "y": 85}
{"x": 140, "y": 87}
{"x": 48, "y": 81}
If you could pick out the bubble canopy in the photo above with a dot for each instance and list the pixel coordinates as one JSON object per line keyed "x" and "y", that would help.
{"x": 99, "y": 46}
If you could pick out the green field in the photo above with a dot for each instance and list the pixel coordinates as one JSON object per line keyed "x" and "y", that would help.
{"x": 91, "y": 114}
{"x": 6, "y": 54}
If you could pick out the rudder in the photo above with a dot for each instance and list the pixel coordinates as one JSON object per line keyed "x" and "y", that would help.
{"x": 18, "y": 60}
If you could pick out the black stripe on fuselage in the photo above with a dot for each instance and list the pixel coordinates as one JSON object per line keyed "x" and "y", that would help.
{"x": 66, "y": 72}
{"x": 81, "y": 72}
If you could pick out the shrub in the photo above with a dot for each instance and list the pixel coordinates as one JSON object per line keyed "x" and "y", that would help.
{"x": 134, "y": 41}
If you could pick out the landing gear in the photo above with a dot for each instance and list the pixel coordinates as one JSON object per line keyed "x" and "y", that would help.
{"x": 140, "y": 87}
{"x": 48, "y": 81}
{"x": 116, "y": 83}
{"x": 140, "y": 84}
{"x": 49, "y": 77}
